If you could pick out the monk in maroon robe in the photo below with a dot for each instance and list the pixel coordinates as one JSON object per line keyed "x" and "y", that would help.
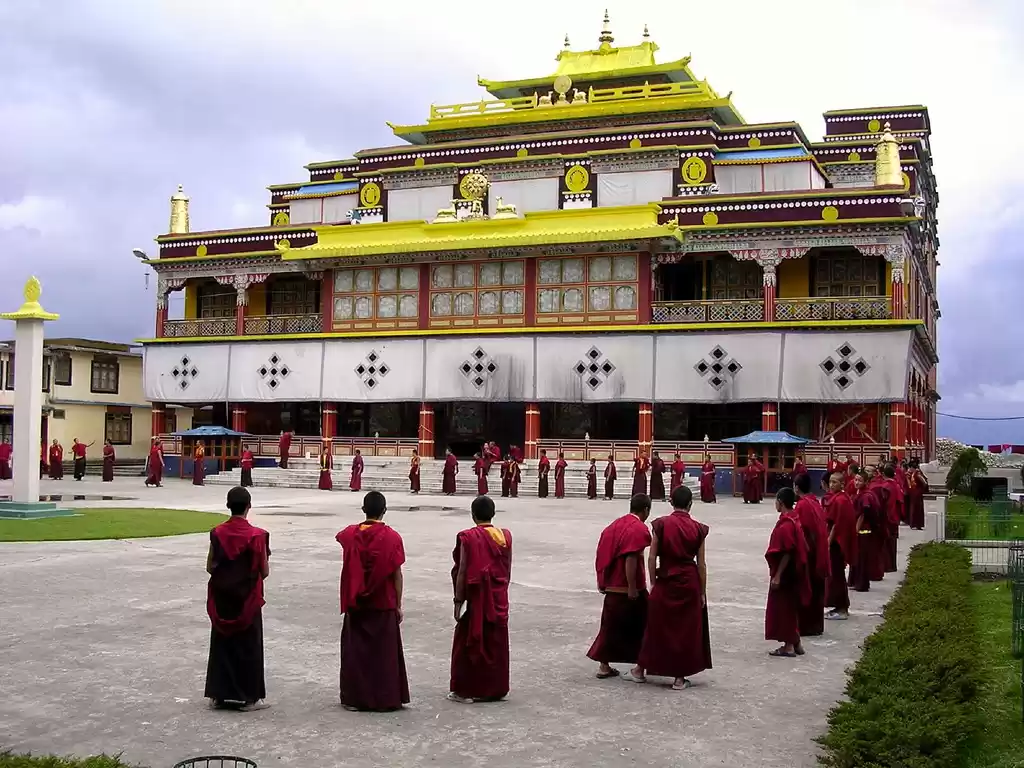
{"x": 894, "y": 514}
{"x": 543, "y": 469}
{"x": 483, "y": 569}
{"x": 516, "y": 453}
{"x": 900, "y": 476}
{"x": 155, "y": 463}
{"x": 592, "y": 479}
{"x": 869, "y": 514}
{"x": 449, "y": 473}
{"x": 414, "y": 472}
{"x": 199, "y": 464}
{"x": 238, "y": 562}
{"x": 43, "y": 468}
{"x": 640, "y": 466}
{"x": 246, "y": 462}
{"x": 6, "y": 451}
{"x": 610, "y": 475}
{"x": 506, "y": 477}
{"x": 707, "y": 481}
{"x": 799, "y": 468}
{"x": 811, "y": 517}
{"x": 889, "y": 524}
{"x": 355, "y": 482}
{"x": 917, "y": 487}
{"x": 623, "y": 582}
{"x": 677, "y": 470}
{"x": 560, "y": 467}
{"x": 372, "y": 661}
{"x": 56, "y": 461}
{"x": 515, "y": 478}
{"x": 841, "y": 520}
{"x": 284, "y": 445}
{"x": 480, "y": 470}
{"x": 790, "y": 588}
{"x": 753, "y": 482}
{"x": 107, "y": 475}
{"x": 78, "y": 451}
{"x": 326, "y": 465}
{"x": 677, "y": 642}
{"x": 657, "y": 478}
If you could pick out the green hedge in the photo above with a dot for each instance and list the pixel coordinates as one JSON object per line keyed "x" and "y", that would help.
{"x": 912, "y": 694}
{"x": 11, "y": 760}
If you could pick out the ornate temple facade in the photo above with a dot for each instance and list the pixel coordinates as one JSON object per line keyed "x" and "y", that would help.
{"x": 608, "y": 257}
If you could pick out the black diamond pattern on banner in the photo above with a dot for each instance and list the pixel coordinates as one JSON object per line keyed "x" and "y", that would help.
{"x": 720, "y": 366}
{"x": 479, "y": 368}
{"x": 594, "y": 369}
{"x": 372, "y": 369}
{"x": 842, "y": 369}
{"x": 184, "y": 373}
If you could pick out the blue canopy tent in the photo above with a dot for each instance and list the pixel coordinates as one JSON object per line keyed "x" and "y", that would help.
{"x": 776, "y": 450}
{"x": 223, "y": 448}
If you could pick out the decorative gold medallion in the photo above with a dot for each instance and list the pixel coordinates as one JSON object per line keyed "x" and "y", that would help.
{"x": 694, "y": 171}
{"x": 562, "y": 84}
{"x": 419, "y": 162}
{"x": 906, "y": 179}
{"x": 33, "y": 290}
{"x": 473, "y": 186}
{"x": 753, "y": 142}
{"x": 522, "y": 152}
{"x": 281, "y": 219}
{"x": 635, "y": 144}
{"x": 282, "y": 245}
{"x": 874, "y": 126}
{"x": 369, "y": 195}
{"x": 338, "y": 175}
{"x": 710, "y": 219}
{"x": 853, "y": 157}
{"x": 830, "y": 213}
{"x": 577, "y": 179}
{"x": 201, "y": 250}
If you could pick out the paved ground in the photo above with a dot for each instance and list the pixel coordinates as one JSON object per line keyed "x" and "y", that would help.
{"x": 105, "y": 647}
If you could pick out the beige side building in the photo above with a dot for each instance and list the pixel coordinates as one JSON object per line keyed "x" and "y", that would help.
{"x": 92, "y": 390}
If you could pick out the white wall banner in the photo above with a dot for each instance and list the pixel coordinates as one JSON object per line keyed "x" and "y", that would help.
{"x": 373, "y": 370}
{"x": 308, "y": 210}
{"x": 866, "y": 367}
{"x": 595, "y": 368}
{"x": 420, "y": 204}
{"x": 336, "y": 208}
{"x": 717, "y": 367}
{"x": 633, "y": 187}
{"x": 288, "y": 371}
{"x": 527, "y": 195}
{"x": 186, "y": 373}
{"x": 480, "y": 368}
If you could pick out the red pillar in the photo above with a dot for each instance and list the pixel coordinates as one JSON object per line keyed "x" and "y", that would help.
{"x": 328, "y": 420}
{"x": 646, "y": 431}
{"x": 769, "y": 293}
{"x": 238, "y": 417}
{"x": 532, "y": 449}
{"x": 161, "y": 316}
{"x": 158, "y": 425}
{"x": 770, "y": 417}
{"x": 426, "y": 431}
{"x": 899, "y": 304}
{"x": 240, "y": 320}
{"x": 897, "y": 430}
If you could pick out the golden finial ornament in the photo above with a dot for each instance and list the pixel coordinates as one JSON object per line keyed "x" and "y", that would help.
{"x": 606, "y": 39}
{"x": 647, "y": 34}
{"x": 179, "y": 212}
{"x": 31, "y": 309}
{"x": 888, "y": 170}
{"x": 474, "y": 186}
{"x": 565, "y": 45}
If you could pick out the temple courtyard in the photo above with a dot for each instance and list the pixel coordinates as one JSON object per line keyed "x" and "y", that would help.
{"x": 105, "y": 645}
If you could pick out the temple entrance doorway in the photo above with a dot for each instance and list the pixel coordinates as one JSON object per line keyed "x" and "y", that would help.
{"x": 464, "y": 427}
{"x": 602, "y": 421}
{"x": 692, "y": 421}
{"x": 682, "y": 281}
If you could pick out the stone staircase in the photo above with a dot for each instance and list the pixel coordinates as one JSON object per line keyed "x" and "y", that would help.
{"x": 391, "y": 475}
{"x": 122, "y": 467}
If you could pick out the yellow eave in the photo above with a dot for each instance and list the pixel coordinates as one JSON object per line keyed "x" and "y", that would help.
{"x": 591, "y": 74}
{"x": 587, "y": 225}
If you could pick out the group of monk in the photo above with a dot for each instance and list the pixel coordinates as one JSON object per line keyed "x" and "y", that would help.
{"x": 51, "y": 460}
{"x": 372, "y": 670}
{"x": 355, "y": 482}
{"x": 855, "y": 525}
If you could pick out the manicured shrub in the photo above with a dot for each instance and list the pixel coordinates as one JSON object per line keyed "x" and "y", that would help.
{"x": 968, "y": 464}
{"x": 10, "y": 760}
{"x": 912, "y": 695}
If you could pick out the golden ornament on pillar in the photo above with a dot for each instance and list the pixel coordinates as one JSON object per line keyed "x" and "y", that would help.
{"x": 474, "y": 186}
{"x": 179, "y": 212}
{"x": 888, "y": 172}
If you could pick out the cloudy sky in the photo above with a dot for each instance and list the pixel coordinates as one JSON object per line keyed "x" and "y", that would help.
{"x": 107, "y": 105}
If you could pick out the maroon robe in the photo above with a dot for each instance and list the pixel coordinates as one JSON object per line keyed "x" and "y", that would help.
{"x": 560, "y": 466}
{"x": 414, "y": 474}
{"x": 155, "y": 465}
{"x": 543, "y": 469}
{"x": 799, "y": 468}
{"x": 56, "y": 462}
{"x": 917, "y": 487}
{"x": 199, "y": 466}
{"x": 753, "y": 484}
{"x": 43, "y": 468}
{"x": 480, "y": 470}
{"x": 782, "y": 612}
{"x": 677, "y": 642}
{"x": 234, "y": 603}
{"x": 610, "y": 476}
{"x": 870, "y": 540}
{"x": 657, "y": 479}
{"x": 841, "y": 520}
{"x": 108, "y": 464}
{"x": 355, "y": 482}
{"x": 506, "y": 478}
{"x": 901, "y": 494}
{"x": 373, "y": 675}
{"x": 707, "y": 483}
{"x": 480, "y": 653}
{"x": 889, "y": 525}
{"x": 622, "y": 620}
{"x": 284, "y": 445}
{"x": 811, "y": 516}
{"x": 515, "y": 477}
{"x": 326, "y": 465}
{"x": 592, "y": 481}
{"x": 247, "y": 462}
{"x": 678, "y": 469}
{"x": 640, "y": 467}
{"x": 516, "y": 453}
{"x": 78, "y": 456}
{"x": 5, "y": 460}
{"x": 448, "y": 473}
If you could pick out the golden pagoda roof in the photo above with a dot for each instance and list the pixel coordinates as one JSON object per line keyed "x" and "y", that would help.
{"x": 586, "y": 225}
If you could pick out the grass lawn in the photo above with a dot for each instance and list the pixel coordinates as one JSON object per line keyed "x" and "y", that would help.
{"x": 967, "y": 519}
{"x": 100, "y": 523}
{"x": 9, "y": 760}
{"x": 1001, "y": 743}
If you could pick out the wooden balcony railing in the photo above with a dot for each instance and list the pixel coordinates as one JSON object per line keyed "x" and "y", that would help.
{"x": 259, "y": 325}
{"x": 211, "y": 326}
{"x": 722, "y": 311}
{"x": 834, "y": 308}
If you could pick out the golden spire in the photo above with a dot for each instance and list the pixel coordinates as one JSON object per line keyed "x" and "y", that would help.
{"x": 647, "y": 34}
{"x": 31, "y": 309}
{"x": 888, "y": 172}
{"x": 179, "y": 212}
{"x": 566, "y": 44}
{"x": 606, "y": 38}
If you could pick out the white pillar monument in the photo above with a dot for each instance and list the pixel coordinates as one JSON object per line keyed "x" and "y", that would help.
{"x": 28, "y": 404}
